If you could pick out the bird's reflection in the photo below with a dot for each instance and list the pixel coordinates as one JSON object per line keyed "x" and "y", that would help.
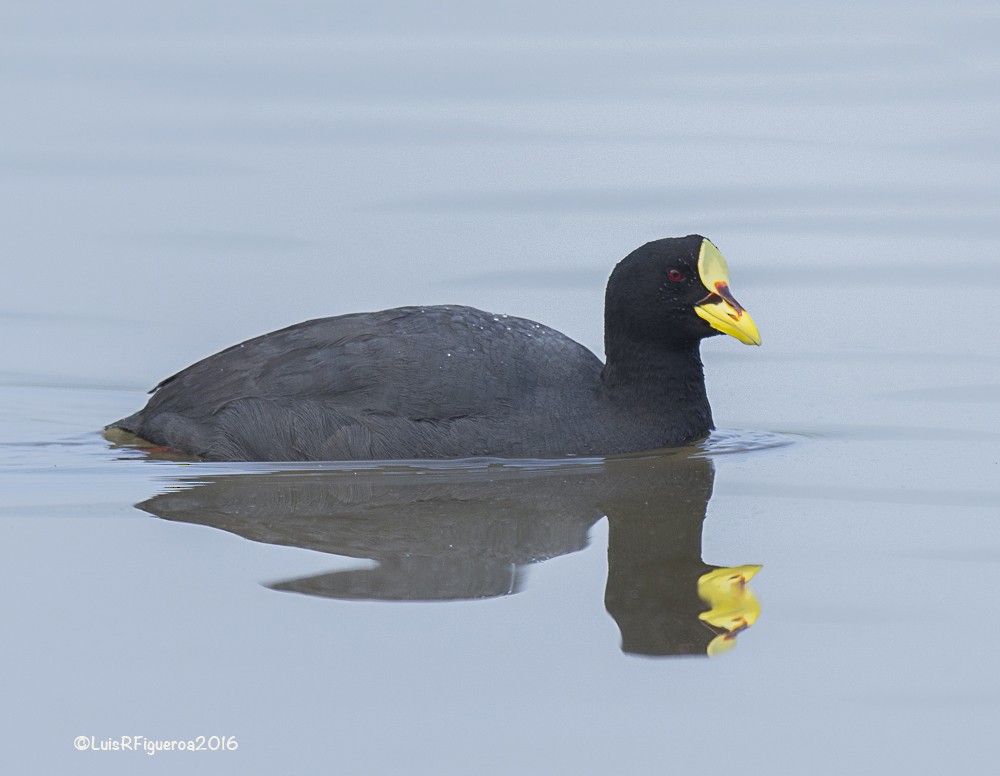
{"x": 467, "y": 530}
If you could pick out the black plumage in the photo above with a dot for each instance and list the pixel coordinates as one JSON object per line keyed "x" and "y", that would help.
{"x": 449, "y": 381}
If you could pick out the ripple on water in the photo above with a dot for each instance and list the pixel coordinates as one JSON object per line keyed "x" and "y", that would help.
{"x": 726, "y": 441}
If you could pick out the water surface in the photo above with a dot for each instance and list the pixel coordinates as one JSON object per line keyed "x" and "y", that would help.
{"x": 178, "y": 179}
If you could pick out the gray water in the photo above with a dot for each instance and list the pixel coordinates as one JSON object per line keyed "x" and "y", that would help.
{"x": 177, "y": 178}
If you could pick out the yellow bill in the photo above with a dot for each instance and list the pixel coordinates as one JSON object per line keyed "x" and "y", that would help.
{"x": 719, "y": 308}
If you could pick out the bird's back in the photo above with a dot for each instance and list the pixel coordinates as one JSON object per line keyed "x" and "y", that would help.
{"x": 411, "y": 382}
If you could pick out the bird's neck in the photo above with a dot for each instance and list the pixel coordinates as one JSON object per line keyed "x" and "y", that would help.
{"x": 662, "y": 384}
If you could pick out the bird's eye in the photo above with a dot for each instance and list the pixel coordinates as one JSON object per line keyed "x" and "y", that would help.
{"x": 676, "y": 275}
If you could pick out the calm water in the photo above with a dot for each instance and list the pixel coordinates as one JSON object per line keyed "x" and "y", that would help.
{"x": 177, "y": 179}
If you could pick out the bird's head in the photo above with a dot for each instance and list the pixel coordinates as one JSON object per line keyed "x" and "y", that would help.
{"x": 675, "y": 290}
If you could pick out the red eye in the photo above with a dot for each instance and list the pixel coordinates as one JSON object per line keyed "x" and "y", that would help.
{"x": 676, "y": 275}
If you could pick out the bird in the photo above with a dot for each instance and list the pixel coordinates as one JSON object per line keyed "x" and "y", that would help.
{"x": 448, "y": 381}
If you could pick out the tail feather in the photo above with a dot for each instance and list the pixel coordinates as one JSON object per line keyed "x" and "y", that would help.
{"x": 130, "y": 424}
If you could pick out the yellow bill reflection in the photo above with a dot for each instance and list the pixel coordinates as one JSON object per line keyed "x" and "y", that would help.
{"x": 732, "y": 605}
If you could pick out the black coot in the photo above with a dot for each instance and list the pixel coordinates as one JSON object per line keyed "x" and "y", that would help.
{"x": 451, "y": 382}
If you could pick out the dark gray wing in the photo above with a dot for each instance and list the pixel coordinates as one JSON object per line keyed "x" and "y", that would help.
{"x": 407, "y": 382}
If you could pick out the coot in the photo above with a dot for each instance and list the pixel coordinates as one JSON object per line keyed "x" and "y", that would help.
{"x": 452, "y": 382}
